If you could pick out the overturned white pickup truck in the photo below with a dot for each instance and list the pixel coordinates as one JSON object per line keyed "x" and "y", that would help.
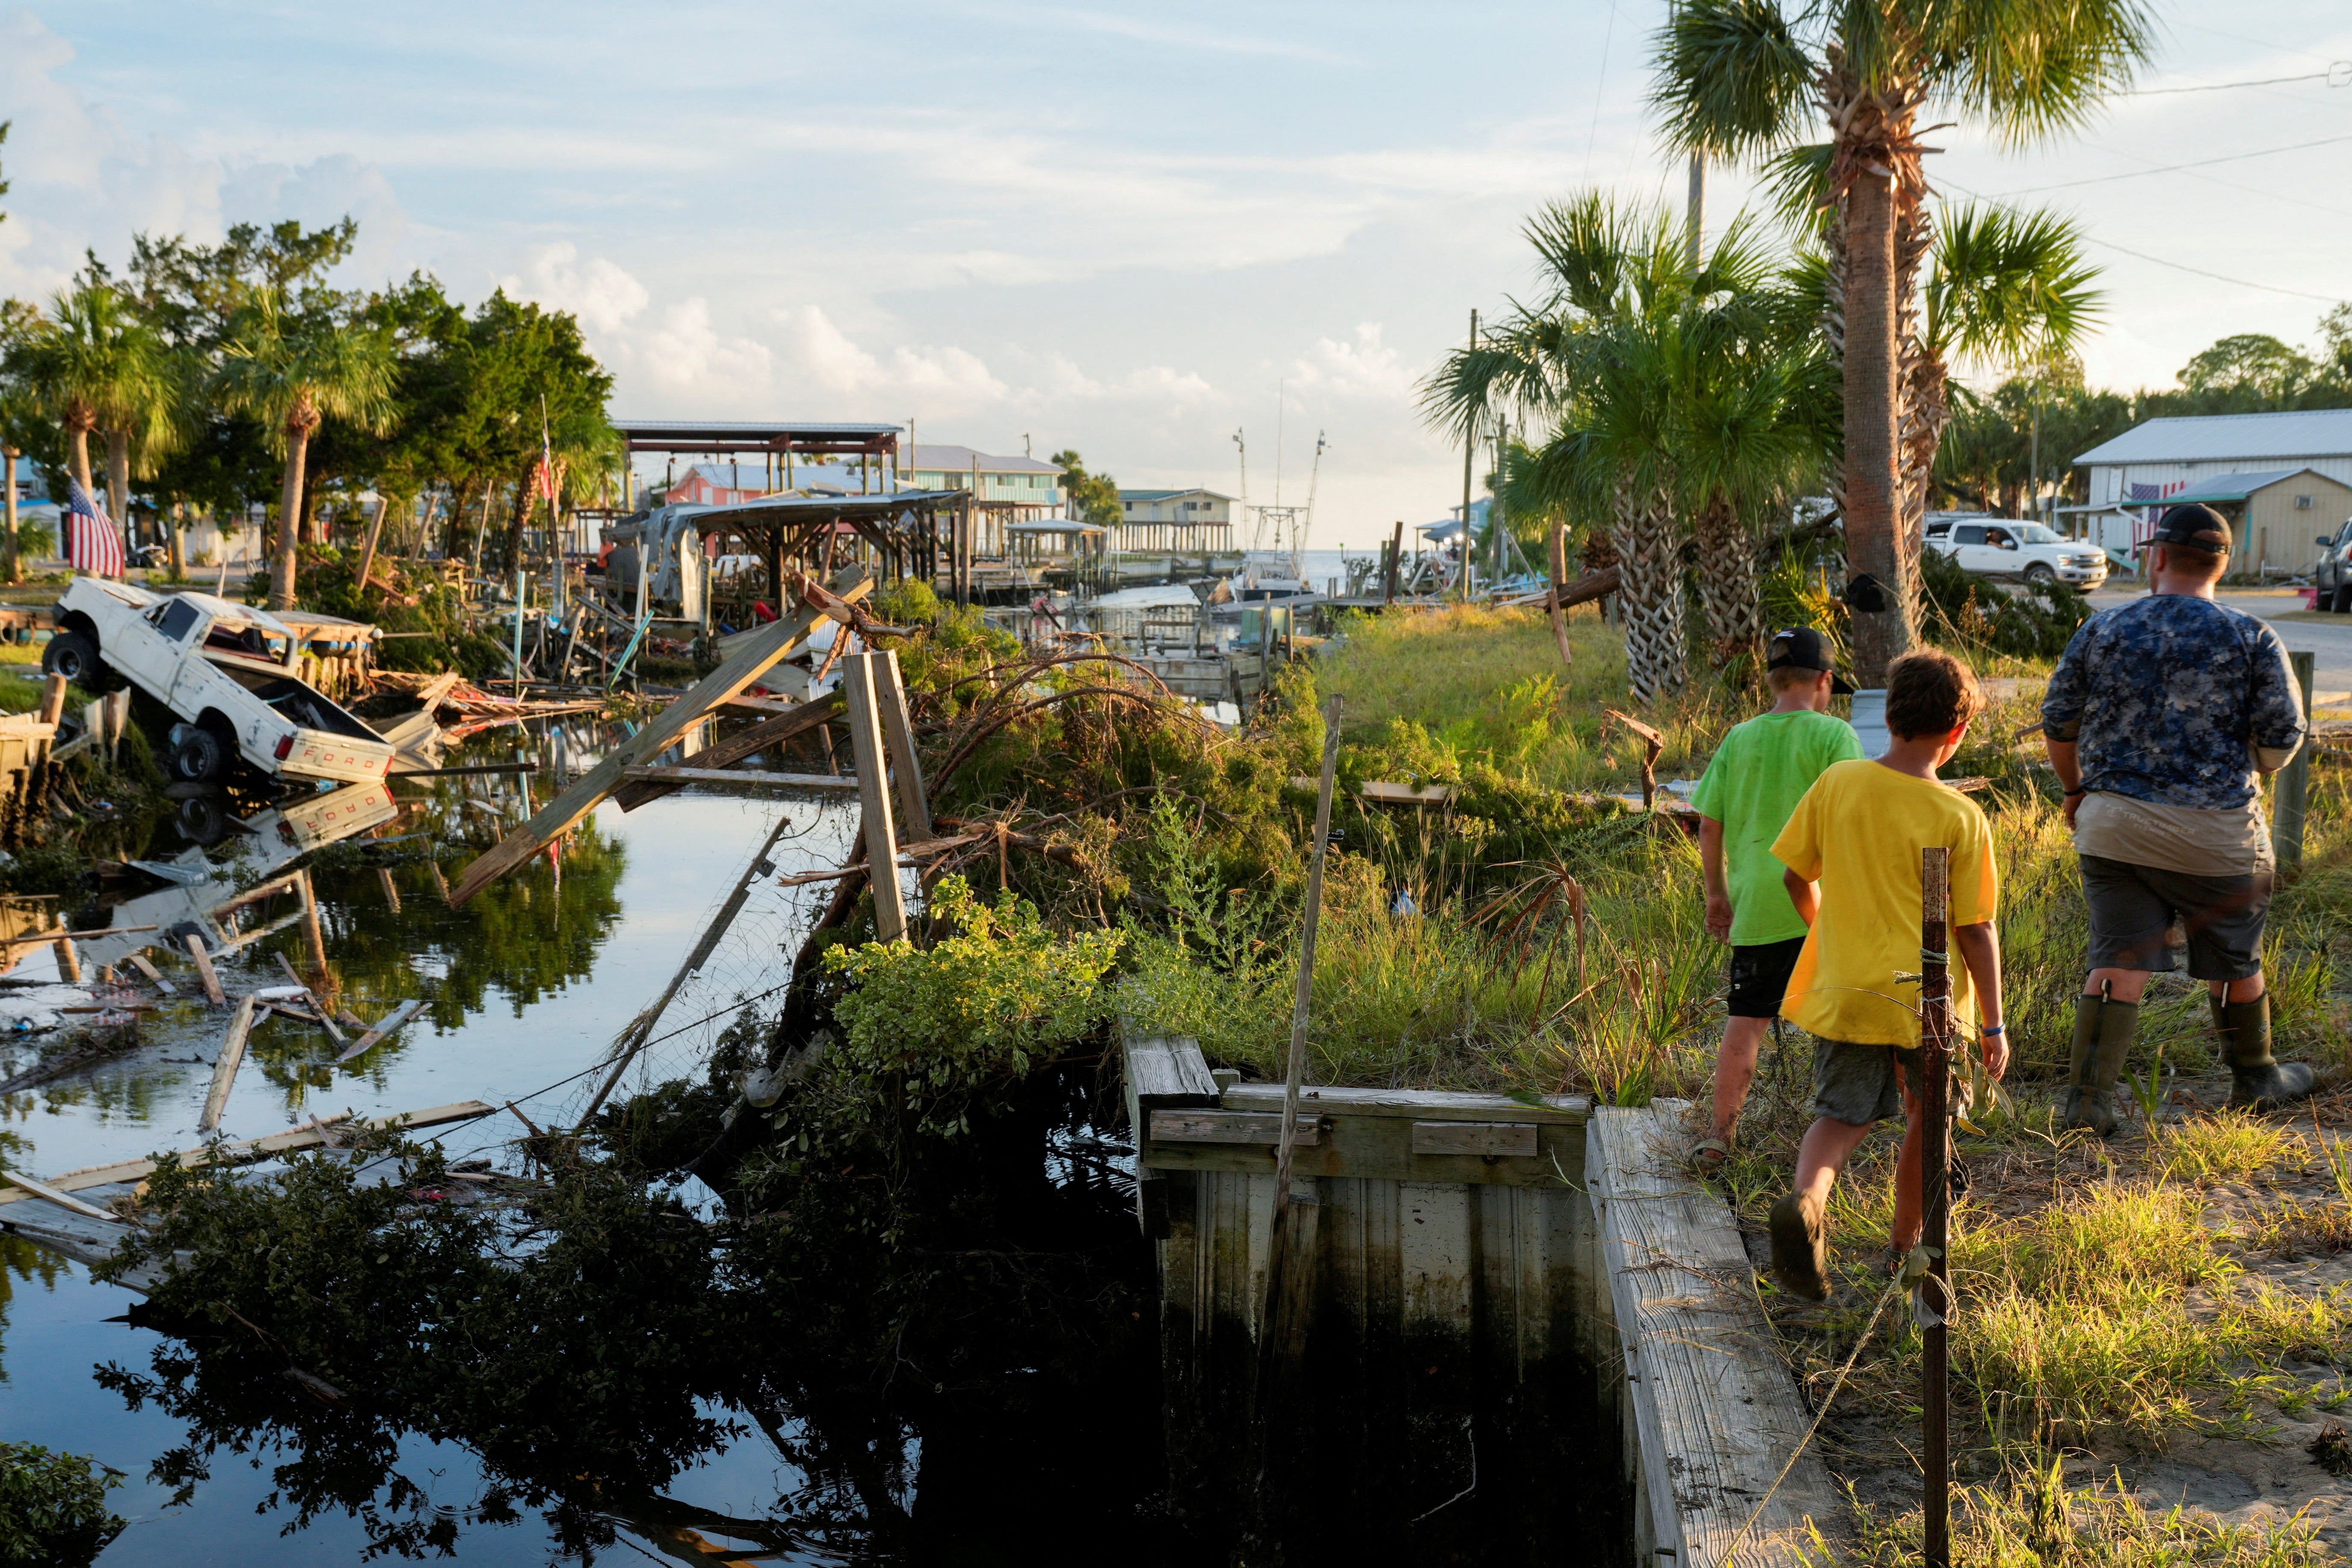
{"x": 225, "y": 669}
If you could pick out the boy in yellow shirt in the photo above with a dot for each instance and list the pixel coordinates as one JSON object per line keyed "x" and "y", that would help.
{"x": 1858, "y": 833}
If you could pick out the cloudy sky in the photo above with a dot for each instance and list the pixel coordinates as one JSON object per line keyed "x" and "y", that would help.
{"x": 1130, "y": 229}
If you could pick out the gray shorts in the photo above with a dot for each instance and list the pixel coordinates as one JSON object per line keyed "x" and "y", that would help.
{"x": 2133, "y": 908}
{"x": 1861, "y": 1084}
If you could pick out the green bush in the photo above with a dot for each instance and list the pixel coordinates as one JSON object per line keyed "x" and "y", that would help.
{"x": 53, "y": 1511}
{"x": 975, "y": 1012}
{"x": 1958, "y": 610}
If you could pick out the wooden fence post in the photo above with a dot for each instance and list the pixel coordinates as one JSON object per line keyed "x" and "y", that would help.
{"x": 873, "y": 766}
{"x": 1934, "y": 1232}
{"x": 2292, "y": 798}
{"x": 899, "y": 731}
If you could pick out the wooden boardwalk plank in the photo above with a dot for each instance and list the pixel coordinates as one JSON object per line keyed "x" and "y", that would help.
{"x": 1715, "y": 1409}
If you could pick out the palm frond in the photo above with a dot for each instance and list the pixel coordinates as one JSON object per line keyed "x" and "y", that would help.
{"x": 2032, "y": 68}
{"x": 1732, "y": 77}
{"x": 2009, "y": 287}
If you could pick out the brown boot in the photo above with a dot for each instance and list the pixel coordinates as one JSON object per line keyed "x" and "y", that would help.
{"x": 2258, "y": 1080}
{"x": 2102, "y": 1038}
{"x": 1800, "y": 1252}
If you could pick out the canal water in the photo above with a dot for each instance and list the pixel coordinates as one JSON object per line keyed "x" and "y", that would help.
{"x": 526, "y": 987}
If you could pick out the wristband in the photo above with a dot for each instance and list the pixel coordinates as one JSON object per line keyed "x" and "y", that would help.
{"x": 2075, "y": 790}
{"x": 1993, "y": 1028}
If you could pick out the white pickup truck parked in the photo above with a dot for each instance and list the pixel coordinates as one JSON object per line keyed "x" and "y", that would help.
{"x": 1993, "y": 546}
{"x": 225, "y": 669}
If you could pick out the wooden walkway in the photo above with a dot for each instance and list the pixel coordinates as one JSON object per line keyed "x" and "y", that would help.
{"x": 1717, "y": 1412}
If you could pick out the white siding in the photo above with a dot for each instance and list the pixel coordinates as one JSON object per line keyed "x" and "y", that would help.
{"x": 2113, "y": 481}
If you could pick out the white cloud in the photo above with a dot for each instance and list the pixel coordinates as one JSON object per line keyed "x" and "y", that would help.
{"x": 603, "y": 294}
{"x": 1362, "y": 368}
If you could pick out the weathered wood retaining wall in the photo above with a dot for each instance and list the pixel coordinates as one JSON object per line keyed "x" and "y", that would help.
{"x": 1519, "y": 1314}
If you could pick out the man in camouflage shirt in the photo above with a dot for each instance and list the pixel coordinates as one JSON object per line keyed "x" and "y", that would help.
{"x": 2157, "y": 719}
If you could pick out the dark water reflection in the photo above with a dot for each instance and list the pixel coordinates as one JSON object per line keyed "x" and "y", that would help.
{"x": 1017, "y": 1448}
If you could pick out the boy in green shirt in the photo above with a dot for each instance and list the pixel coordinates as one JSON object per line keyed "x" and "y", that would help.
{"x": 1758, "y": 775}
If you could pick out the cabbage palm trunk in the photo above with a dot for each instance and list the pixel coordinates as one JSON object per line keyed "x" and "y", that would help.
{"x": 1650, "y": 578}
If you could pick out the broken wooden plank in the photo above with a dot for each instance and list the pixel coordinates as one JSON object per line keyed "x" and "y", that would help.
{"x": 738, "y": 776}
{"x": 1229, "y": 1127}
{"x": 51, "y": 1195}
{"x": 735, "y": 747}
{"x": 38, "y": 937}
{"x": 727, "y": 680}
{"x": 310, "y": 1135}
{"x": 874, "y": 797}
{"x": 246, "y": 938}
{"x": 212, "y": 993}
{"x": 1488, "y": 1139}
{"x": 154, "y": 977}
{"x": 914, "y": 816}
{"x": 240, "y": 1025}
{"x": 391, "y": 1025}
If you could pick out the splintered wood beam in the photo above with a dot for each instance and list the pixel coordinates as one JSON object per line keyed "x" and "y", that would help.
{"x": 391, "y": 1026}
{"x": 682, "y": 777}
{"x": 306, "y": 1136}
{"x": 212, "y": 993}
{"x": 741, "y": 668}
{"x": 735, "y": 747}
{"x": 225, "y": 1068}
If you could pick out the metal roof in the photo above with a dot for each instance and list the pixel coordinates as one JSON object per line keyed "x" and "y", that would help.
{"x": 788, "y": 507}
{"x": 723, "y": 436}
{"x": 2222, "y": 438}
{"x": 962, "y": 459}
{"x": 1126, "y": 494}
{"x": 2230, "y": 487}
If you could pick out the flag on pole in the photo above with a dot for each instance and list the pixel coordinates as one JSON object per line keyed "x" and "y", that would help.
{"x": 92, "y": 541}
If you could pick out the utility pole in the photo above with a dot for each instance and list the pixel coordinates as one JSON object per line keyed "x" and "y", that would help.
{"x": 1694, "y": 215}
{"x": 1469, "y": 461}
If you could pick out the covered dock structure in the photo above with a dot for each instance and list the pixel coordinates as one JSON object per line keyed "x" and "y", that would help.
{"x": 781, "y": 443}
{"x": 904, "y": 533}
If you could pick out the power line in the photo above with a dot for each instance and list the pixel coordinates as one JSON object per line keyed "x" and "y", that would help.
{"x": 2217, "y": 277}
{"x": 2175, "y": 168}
{"x": 2336, "y": 75}
{"x": 2176, "y": 265}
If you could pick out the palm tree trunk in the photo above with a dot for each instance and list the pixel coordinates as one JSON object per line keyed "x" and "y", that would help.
{"x": 178, "y": 540}
{"x": 11, "y": 567}
{"x": 117, "y": 478}
{"x": 1728, "y": 587}
{"x": 289, "y": 522}
{"x": 77, "y": 456}
{"x": 1656, "y": 655}
{"x": 1873, "y": 482}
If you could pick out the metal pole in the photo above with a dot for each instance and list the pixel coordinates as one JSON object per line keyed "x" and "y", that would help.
{"x": 1694, "y": 215}
{"x": 2292, "y": 797}
{"x": 1469, "y": 461}
{"x": 1932, "y": 1302}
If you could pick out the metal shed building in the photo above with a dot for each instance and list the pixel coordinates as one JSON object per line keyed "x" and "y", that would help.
{"x": 2162, "y": 461}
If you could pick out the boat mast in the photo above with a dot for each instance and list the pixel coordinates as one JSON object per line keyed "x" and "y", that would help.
{"x": 1313, "y": 474}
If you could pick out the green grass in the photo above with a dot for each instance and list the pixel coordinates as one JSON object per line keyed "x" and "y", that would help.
{"x": 2229, "y": 1147}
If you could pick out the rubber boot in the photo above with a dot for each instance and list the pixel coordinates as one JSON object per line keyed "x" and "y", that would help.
{"x": 2102, "y": 1038}
{"x": 2258, "y": 1080}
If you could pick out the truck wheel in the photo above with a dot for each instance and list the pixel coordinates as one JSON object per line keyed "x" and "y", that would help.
{"x": 2340, "y": 601}
{"x": 201, "y": 757}
{"x": 73, "y": 656}
{"x": 2039, "y": 574}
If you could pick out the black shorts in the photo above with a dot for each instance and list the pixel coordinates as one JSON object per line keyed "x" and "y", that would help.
{"x": 1759, "y": 977}
{"x": 2133, "y": 908}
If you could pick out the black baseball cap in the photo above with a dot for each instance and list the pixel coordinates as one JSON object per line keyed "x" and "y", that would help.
{"x": 2199, "y": 527}
{"x": 1801, "y": 647}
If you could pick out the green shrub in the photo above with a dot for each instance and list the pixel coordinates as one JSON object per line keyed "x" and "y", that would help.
{"x": 973, "y": 1012}
{"x": 53, "y": 1511}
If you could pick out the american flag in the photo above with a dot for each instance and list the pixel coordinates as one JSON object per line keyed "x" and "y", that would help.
{"x": 92, "y": 541}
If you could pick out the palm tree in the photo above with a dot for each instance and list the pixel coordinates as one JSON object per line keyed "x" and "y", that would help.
{"x": 292, "y": 372}
{"x": 95, "y": 365}
{"x": 1734, "y": 80}
{"x": 1675, "y": 396}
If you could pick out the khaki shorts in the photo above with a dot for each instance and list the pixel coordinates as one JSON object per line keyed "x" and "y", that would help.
{"x": 1861, "y": 1084}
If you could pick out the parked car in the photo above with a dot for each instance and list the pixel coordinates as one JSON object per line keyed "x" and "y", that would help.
{"x": 226, "y": 670}
{"x": 2005, "y": 547}
{"x": 2332, "y": 578}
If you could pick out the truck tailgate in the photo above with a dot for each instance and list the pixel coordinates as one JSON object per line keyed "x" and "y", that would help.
{"x": 319, "y": 754}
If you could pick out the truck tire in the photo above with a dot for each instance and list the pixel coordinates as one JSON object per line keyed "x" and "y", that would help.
{"x": 74, "y": 654}
{"x": 2340, "y": 601}
{"x": 2039, "y": 574}
{"x": 201, "y": 757}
